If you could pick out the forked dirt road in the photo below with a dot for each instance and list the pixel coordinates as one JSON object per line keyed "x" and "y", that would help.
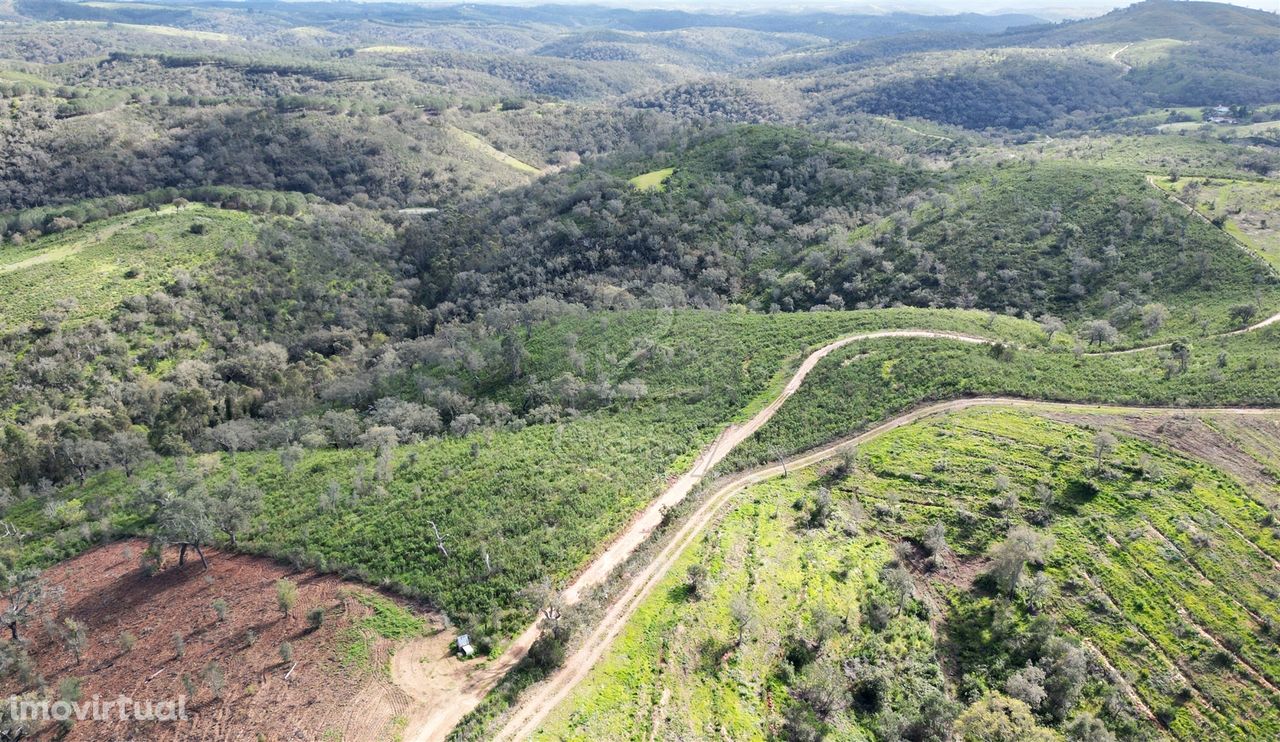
{"x": 448, "y": 689}
{"x": 537, "y": 703}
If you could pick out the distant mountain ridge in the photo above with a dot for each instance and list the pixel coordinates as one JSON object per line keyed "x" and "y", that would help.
{"x": 833, "y": 26}
{"x": 1184, "y": 20}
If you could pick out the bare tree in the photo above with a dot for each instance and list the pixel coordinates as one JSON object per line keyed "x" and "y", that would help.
{"x": 24, "y": 590}
{"x": 439, "y": 539}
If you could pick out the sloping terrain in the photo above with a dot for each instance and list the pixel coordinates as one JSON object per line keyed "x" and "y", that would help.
{"x": 217, "y": 639}
{"x": 844, "y": 597}
{"x": 496, "y": 308}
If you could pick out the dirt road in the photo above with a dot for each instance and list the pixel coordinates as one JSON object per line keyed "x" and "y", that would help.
{"x": 537, "y": 703}
{"x": 450, "y": 689}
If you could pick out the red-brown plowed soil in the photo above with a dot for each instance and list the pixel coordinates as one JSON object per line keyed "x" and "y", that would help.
{"x": 107, "y": 591}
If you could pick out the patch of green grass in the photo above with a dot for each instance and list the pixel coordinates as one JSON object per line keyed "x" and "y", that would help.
{"x": 473, "y": 142}
{"x": 158, "y": 30}
{"x": 653, "y": 181}
{"x": 389, "y": 620}
{"x": 1249, "y": 210}
{"x": 102, "y": 263}
{"x": 1187, "y": 154}
{"x": 679, "y": 671}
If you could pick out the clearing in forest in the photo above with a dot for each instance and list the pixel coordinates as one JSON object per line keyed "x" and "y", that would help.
{"x": 1248, "y": 210}
{"x": 479, "y": 145}
{"x": 102, "y": 263}
{"x": 220, "y": 637}
{"x": 653, "y": 181}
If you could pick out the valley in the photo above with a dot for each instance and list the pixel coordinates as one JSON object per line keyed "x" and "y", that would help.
{"x": 392, "y": 371}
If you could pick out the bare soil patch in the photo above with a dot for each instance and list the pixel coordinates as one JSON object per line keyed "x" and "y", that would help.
{"x": 321, "y": 694}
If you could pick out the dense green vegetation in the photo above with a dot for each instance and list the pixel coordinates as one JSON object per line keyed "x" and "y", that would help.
{"x": 842, "y": 600}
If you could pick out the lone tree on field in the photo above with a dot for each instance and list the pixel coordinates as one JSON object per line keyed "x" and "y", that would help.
{"x": 24, "y": 590}
{"x": 743, "y": 614}
{"x": 1100, "y": 331}
{"x": 697, "y": 580}
{"x": 1103, "y": 444}
{"x": 183, "y": 519}
{"x": 1010, "y": 557}
{"x": 1050, "y": 326}
{"x": 1243, "y": 313}
{"x": 286, "y": 596}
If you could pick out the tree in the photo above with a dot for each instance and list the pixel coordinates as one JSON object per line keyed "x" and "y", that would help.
{"x": 1050, "y": 326}
{"x": 234, "y": 504}
{"x": 697, "y": 581}
{"x": 1103, "y": 444}
{"x": 24, "y": 590}
{"x": 75, "y": 637}
{"x": 547, "y": 598}
{"x": 1010, "y": 557}
{"x": 935, "y": 542}
{"x": 1086, "y": 727}
{"x": 215, "y": 679}
{"x": 1027, "y": 685}
{"x": 1100, "y": 331}
{"x": 1154, "y": 316}
{"x": 128, "y": 450}
{"x": 743, "y": 615}
{"x": 1065, "y": 668}
{"x": 84, "y": 455}
{"x": 1180, "y": 350}
{"x": 286, "y": 596}
{"x": 1038, "y": 591}
{"x": 901, "y": 587}
{"x": 999, "y": 718}
{"x": 1242, "y": 314}
{"x": 183, "y": 519}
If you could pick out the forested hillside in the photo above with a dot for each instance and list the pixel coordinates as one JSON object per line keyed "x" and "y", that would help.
{"x": 407, "y": 349}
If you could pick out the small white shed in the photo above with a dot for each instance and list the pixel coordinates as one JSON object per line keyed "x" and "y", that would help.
{"x": 464, "y": 645}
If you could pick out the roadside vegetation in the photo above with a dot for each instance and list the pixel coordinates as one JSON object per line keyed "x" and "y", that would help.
{"x": 871, "y": 381}
{"x": 1083, "y": 581}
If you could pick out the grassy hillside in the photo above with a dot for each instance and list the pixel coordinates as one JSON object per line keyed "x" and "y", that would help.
{"x": 1151, "y": 612}
{"x": 95, "y": 266}
{"x": 1161, "y": 19}
{"x": 1248, "y": 210}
